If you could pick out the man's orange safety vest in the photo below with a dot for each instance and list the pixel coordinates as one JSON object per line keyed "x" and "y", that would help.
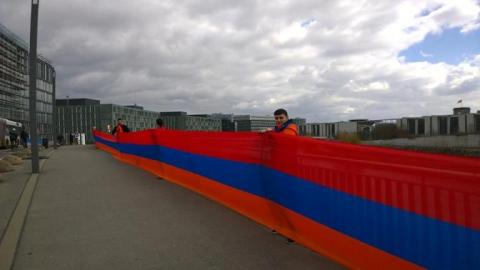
{"x": 288, "y": 128}
{"x": 291, "y": 129}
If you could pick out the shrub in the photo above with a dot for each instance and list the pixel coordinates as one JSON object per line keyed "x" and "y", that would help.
{"x": 385, "y": 132}
{"x": 5, "y": 166}
{"x": 348, "y": 138}
{"x": 401, "y": 133}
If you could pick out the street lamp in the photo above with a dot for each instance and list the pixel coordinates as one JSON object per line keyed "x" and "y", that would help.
{"x": 33, "y": 85}
{"x": 55, "y": 122}
{"x": 70, "y": 119}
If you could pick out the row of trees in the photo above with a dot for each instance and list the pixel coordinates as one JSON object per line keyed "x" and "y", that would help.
{"x": 385, "y": 131}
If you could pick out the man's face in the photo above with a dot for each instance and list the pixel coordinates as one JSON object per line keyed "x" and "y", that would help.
{"x": 119, "y": 122}
{"x": 280, "y": 119}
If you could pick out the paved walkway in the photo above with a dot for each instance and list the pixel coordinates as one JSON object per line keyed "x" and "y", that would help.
{"x": 90, "y": 211}
{"x": 11, "y": 187}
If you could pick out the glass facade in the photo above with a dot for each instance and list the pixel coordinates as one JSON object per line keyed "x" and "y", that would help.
{"x": 135, "y": 117}
{"x": 182, "y": 121}
{"x": 14, "y": 84}
{"x": 78, "y": 119}
{"x": 477, "y": 123}
{"x": 254, "y": 123}
{"x": 83, "y": 115}
{"x": 227, "y": 121}
{"x": 203, "y": 123}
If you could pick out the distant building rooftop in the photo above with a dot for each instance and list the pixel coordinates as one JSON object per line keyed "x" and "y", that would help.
{"x": 77, "y": 102}
{"x": 358, "y": 120}
{"x": 135, "y": 107}
{"x": 461, "y": 110}
{"x": 252, "y": 117}
{"x": 177, "y": 113}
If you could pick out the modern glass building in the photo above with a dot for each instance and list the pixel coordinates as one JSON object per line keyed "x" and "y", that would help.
{"x": 203, "y": 123}
{"x": 14, "y": 84}
{"x": 299, "y": 121}
{"x": 254, "y": 123}
{"x": 182, "y": 121}
{"x": 135, "y": 117}
{"x": 82, "y": 115}
{"x": 77, "y": 116}
{"x": 227, "y": 121}
{"x": 461, "y": 122}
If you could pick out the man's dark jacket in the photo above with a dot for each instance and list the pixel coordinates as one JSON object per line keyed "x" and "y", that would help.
{"x": 124, "y": 128}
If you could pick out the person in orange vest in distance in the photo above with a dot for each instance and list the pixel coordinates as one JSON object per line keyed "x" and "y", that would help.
{"x": 120, "y": 128}
{"x": 283, "y": 124}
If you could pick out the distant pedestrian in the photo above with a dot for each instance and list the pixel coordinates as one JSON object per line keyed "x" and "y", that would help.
{"x": 120, "y": 127}
{"x": 60, "y": 139}
{"x": 283, "y": 124}
{"x": 13, "y": 139}
{"x": 24, "y": 137}
{"x": 160, "y": 123}
{"x": 77, "y": 138}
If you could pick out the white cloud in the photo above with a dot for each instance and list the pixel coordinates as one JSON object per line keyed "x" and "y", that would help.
{"x": 470, "y": 27}
{"x": 425, "y": 55}
{"x": 379, "y": 86}
{"x": 349, "y": 110}
{"x": 292, "y": 32}
{"x": 325, "y": 60}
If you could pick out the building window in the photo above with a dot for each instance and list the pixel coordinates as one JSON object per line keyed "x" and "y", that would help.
{"x": 477, "y": 122}
{"x": 442, "y": 125}
{"x": 421, "y": 126}
{"x": 411, "y": 126}
{"x": 453, "y": 125}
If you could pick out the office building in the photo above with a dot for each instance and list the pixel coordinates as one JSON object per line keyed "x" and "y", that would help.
{"x": 14, "y": 84}
{"x": 227, "y": 121}
{"x": 299, "y": 121}
{"x": 331, "y": 130}
{"x": 135, "y": 117}
{"x": 462, "y": 121}
{"x": 77, "y": 116}
{"x": 83, "y": 115}
{"x": 181, "y": 121}
{"x": 254, "y": 123}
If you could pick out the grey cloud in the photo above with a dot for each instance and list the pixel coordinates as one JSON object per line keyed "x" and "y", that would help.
{"x": 467, "y": 86}
{"x": 209, "y": 56}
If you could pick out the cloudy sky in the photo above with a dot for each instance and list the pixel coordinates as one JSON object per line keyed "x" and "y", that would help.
{"x": 320, "y": 59}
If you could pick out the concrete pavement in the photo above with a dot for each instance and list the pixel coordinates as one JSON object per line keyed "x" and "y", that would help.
{"x": 90, "y": 211}
{"x": 3, "y": 152}
{"x": 16, "y": 189}
{"x": 11, "y": 187}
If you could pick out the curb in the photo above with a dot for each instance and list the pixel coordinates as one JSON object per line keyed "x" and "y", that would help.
{"x": 13, "y": 232}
